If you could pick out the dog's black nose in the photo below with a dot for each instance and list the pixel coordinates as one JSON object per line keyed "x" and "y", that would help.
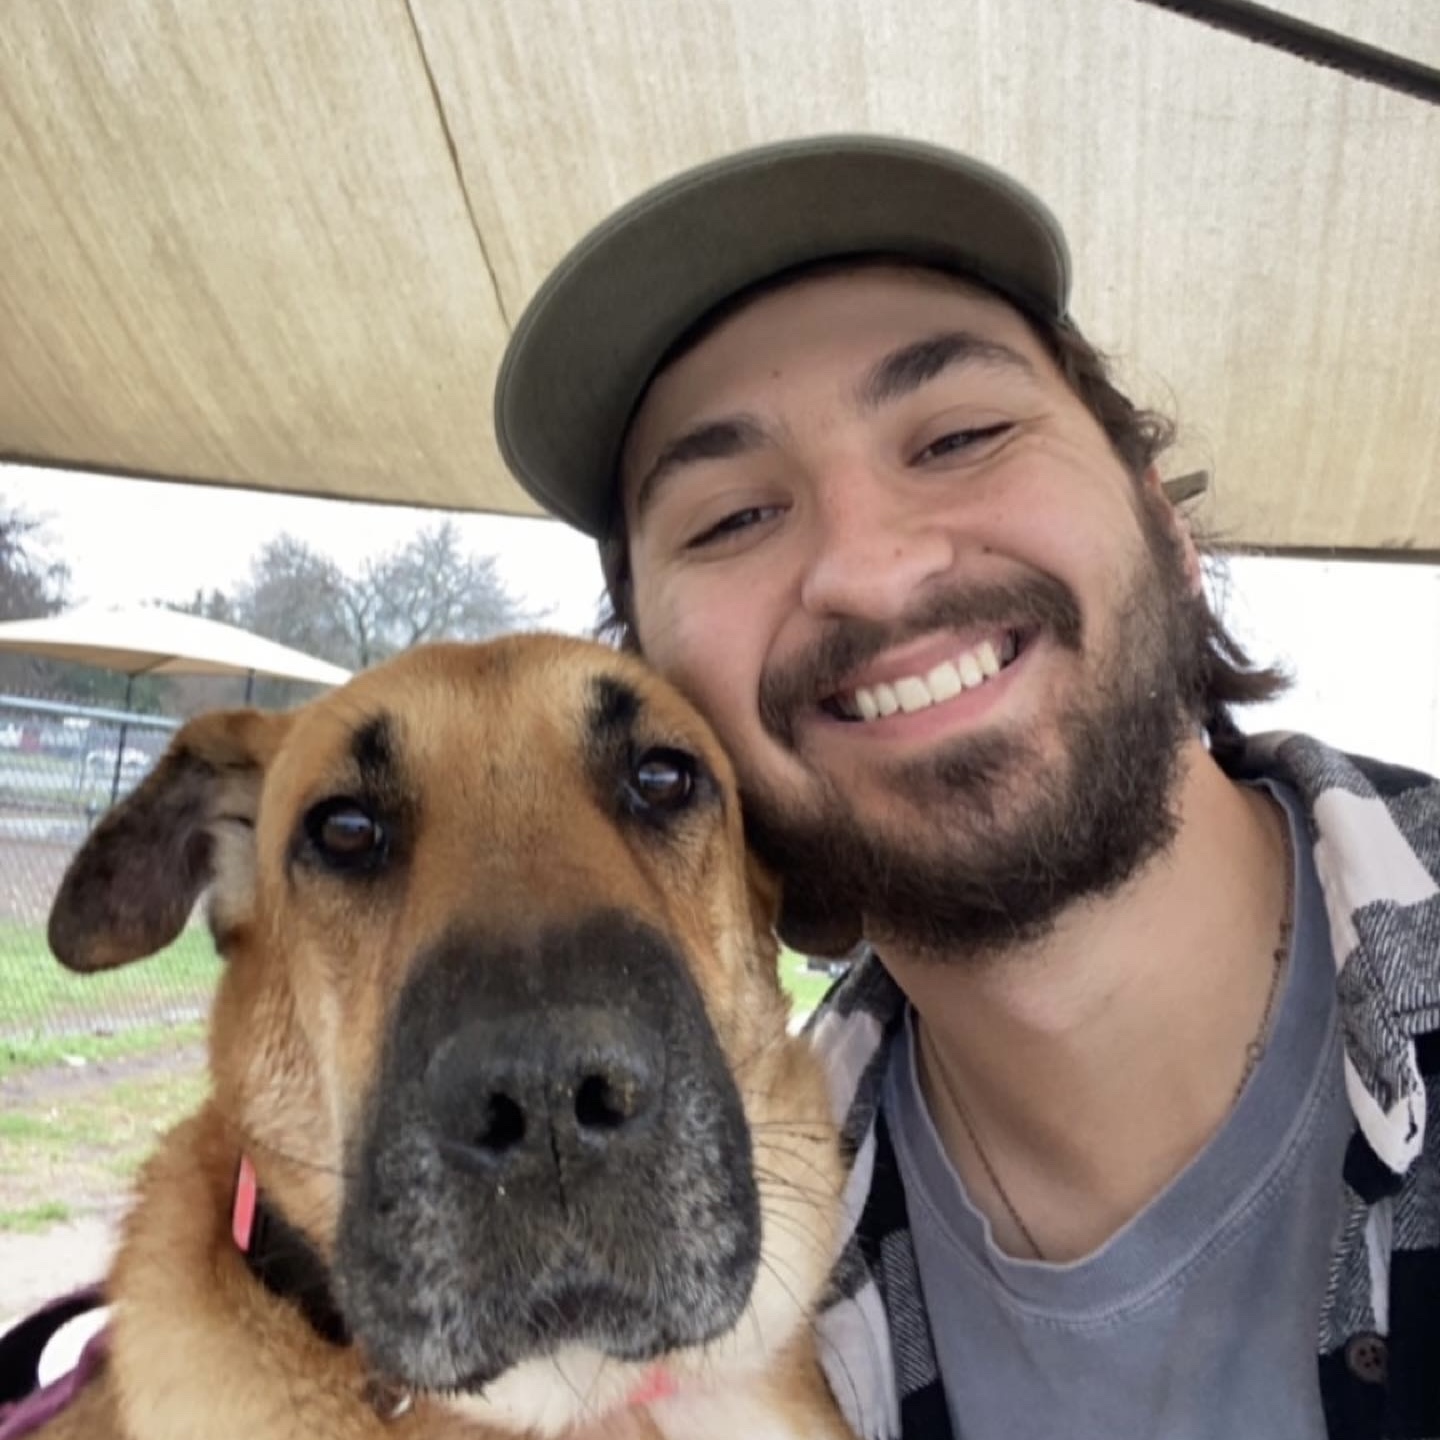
{"x": 552, "y": 1087}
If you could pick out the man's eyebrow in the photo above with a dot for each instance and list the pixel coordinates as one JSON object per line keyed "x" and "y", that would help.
{"x": 890, "y": 378}
{"x": 709, "y": 440}
{"x": 908, "y": 368}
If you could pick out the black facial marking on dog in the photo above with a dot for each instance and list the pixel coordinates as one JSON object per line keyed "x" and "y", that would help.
{"x": 611, "y": 719}
{"x": 614, "y": 710}
{"x": 623, "y": 751}
{"x": 375, "y": 791}
{"x": 373, "y": 746}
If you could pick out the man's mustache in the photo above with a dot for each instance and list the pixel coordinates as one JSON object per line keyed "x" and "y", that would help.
{"x": 1038, "y": 602}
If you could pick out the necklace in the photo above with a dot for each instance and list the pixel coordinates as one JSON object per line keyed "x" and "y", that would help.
{"x": 1253, "y": 1051}
{"x": 995, "y": 1184}
{"x": 1256, "y": 1048}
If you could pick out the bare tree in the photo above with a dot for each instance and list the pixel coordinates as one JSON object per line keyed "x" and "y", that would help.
{"x": 297, "y": 596}
{"x": 429, "y": 588}
{"x": 207, "y": 604}
{"x": 32, "y": 581}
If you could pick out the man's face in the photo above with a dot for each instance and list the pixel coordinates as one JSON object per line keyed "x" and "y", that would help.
{"x": 948, "y": 640}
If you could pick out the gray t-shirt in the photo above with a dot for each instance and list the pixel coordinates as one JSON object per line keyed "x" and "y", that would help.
{"x": 1198, "y": 1320}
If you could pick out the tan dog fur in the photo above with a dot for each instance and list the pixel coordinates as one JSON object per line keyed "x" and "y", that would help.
{"x": 510, "y": 830}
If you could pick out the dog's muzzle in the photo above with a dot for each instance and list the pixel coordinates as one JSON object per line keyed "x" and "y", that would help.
{"x": 554, "y": 1152}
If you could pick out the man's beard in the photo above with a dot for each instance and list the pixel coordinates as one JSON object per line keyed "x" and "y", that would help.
{"x": 994, "y": 845}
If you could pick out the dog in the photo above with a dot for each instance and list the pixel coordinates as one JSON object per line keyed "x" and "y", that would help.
{"x": 508, "y": 1132}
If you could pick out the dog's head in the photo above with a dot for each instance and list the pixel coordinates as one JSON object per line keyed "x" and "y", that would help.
{"x": 500, "y": 1026}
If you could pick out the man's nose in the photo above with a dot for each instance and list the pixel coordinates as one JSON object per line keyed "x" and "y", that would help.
{"x": 872, "y": 550}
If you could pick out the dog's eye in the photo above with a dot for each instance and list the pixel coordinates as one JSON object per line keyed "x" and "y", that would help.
{"x": 662, "y": 779}
{"x": 345, "y": 835}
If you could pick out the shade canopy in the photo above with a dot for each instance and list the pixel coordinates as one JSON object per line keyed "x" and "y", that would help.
{"x": 149, "y": 640}
{"x": 281, "y": 245}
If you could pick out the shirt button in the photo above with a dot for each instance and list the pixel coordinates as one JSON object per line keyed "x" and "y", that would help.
{"x": 1366, "y": 1356}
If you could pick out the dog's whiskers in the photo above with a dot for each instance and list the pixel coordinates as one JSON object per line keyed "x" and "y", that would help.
{"x": 790, "y": 1202}
{"x": 771, "y": 1153}
{"x": 581, "y": 1400}
{"x": 765, "y": 1048}
{"x": 818, "y": 1130}
{"x": 805, "y": 1237}
{"x": 785, "y": 1188}
{"x": 587, "y": 1400}
{"x": 769, "y": 1264}
{"x": 256, "y": 1144}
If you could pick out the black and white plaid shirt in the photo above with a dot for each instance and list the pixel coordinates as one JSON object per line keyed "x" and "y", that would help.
{"x": 1376, "y": 836}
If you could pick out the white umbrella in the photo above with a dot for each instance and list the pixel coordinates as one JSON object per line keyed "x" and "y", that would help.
{"x": 150, "y": 640}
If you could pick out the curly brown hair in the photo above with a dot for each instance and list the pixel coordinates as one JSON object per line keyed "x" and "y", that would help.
{"x": 1138, "y": 436}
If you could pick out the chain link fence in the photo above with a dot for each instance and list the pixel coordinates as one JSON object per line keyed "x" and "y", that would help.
{"x": 61, "y": 767}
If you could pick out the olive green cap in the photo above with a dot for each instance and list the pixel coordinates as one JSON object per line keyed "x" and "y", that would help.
{"x": 590, "y": 340}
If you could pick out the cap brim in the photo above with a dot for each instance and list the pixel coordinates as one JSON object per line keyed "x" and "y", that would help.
{"x": 1183, "y": 488}
{"x": 590, "y": 340}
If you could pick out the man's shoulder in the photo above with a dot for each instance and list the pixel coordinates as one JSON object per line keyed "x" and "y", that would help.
{"x": 851, "y": 1030}
{"x": 1314, "y": 767}
{"x": 1353, "y": 799}
{"x": 864, "y": 999}
{"x": 1376, "y": 833}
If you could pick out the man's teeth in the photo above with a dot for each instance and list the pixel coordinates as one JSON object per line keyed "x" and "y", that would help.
{"x": 944, "y": 682}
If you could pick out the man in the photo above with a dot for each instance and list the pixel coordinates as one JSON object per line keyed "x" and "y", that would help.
{"x": 1125, "y": 1158}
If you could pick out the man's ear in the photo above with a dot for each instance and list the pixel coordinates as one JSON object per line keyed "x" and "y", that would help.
{"x": 1166, "y": 499}
{"x": 131, "y": 887}
{"x": 763, "y": 890}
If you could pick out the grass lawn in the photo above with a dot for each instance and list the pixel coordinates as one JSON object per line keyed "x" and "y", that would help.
{"x": 32, "y": 1219}
{"x": 37, "y": 993}
{"x": 24, "y": 1053}
{"x": 74, "y": 1147}
{"x": 807, "y": 987}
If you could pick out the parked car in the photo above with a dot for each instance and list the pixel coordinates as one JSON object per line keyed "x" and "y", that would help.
{"x": 68, "y": 737}
{"x": 100, "y": 764}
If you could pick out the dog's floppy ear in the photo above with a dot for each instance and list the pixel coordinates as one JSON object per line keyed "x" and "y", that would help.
{"x": 810, "y": 922}
{"x": 763, "y": 890}
{"x": 131, "y": 887}
{"x": 818, "y": 921}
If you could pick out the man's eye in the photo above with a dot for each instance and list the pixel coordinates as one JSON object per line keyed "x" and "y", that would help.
{"x": 732, "y": 524}
{"x": 957, "y": 442}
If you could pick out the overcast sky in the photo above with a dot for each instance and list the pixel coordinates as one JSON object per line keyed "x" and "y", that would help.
{"x": 128, "y": 540}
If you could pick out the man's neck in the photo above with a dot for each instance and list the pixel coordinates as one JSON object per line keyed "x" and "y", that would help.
{"x": 1072, "y": 1080}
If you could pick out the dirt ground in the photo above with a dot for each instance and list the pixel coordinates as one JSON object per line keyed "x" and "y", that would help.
{"x": 91, "y": 1178}
{"x": 53, "y": 1084}
{"x": 36, "y": 1268}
